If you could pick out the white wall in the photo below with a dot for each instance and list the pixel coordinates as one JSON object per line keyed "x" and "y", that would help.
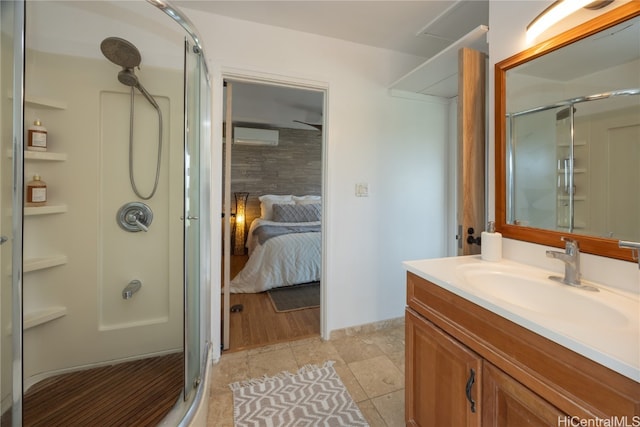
{"x": 507, "y": 23}
{"x": 395, "y": 144}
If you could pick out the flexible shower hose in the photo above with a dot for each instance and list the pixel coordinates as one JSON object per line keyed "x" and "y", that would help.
{"x": 131, "y": 177}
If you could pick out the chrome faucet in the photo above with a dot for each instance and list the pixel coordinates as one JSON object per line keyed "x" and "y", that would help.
{"x": 635, "y": 249}
{"x": 571, "y": 259}
{"x": 131, "y": 288}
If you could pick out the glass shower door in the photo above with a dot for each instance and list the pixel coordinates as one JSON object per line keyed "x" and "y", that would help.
{"x": 191, "y": 219}
{"x": 11, "y": 118}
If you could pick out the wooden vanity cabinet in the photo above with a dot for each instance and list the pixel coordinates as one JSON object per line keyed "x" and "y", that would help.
{"x": 438, "y": 371}
{"x": 506, "y": 402}
{"x": 521, "y": 378}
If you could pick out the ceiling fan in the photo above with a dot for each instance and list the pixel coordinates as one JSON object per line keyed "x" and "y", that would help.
{"x": 317, "y": 126}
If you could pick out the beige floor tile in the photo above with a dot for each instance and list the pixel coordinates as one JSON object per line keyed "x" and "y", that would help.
{"x": 352, "y": 349}
{"x": 220, "y": 410}
{"x": 351, "y": 383}
{"x": 268, "y": 348}
{"x": 370, "y": 413}
{"x": 377, "y": 376}
{"x": 388, "y": 342}
{"x": 227, "y": 371}
{"x": 272, "y": 362}
{"x": 316, "y": 353}
{"x": 391, "y": 408}
{"x": 374, "y": 375}
{"x": 306, "y": 341}
{"x": 398, "y": 331}
{"x": 398, "y": 359}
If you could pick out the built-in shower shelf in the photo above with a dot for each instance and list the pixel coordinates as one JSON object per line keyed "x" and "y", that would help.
{"x": 31, "y": 319}
{"x": 576, "y": 170}
{"x": 575, "y": 144}
{"x": 35, "y": 264}
{"x": 42, "y": 155}
{"x": 41, "y": 102}
{"x": 575, "y": 198}
{"x": 35, "y": 318}
{"x": 44, "y": 210}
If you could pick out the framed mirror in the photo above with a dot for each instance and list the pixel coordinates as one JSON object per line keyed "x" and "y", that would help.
{"x": 568, "y": 137}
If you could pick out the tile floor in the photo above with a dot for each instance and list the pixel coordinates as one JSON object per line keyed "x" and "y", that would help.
{"x": 370, "y": 364}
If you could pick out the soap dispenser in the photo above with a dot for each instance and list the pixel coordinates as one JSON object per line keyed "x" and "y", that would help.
{"x": 491, "y": 249}
{"x": 37, "y": 137}
{"x": 36, "y": 192}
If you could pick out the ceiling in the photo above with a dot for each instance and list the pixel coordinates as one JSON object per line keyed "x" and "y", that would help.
{"x": 419, "y": 28}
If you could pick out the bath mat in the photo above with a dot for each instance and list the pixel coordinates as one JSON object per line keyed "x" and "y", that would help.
{"x": 296, "y": 297}
{"x": 315, "y": 396}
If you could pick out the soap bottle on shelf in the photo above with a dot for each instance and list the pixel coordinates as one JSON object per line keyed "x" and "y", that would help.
{"x": 36, "y": 192}
{"x": 37, "y": 137}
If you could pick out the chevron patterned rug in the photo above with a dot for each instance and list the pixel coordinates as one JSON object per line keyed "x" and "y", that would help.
{"x": 315, "y": 396}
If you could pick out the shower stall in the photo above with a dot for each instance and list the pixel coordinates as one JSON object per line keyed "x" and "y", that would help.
{"x": 110, "y": 278}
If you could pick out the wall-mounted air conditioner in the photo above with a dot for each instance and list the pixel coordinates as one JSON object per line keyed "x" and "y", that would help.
{"x": 251, "y": 136}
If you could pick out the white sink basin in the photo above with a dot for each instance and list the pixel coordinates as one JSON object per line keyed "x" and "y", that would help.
{"x": 603, "y": 326}
{"x": 533, "y": 291}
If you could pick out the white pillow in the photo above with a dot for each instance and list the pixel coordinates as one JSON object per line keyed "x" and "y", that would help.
{"x": 306, "y": 200}
{"x": 268, "y": 200}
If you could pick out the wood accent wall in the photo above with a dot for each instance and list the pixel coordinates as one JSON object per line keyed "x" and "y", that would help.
{"x": 294, "y": 166}
{"x": 471, "y": 144}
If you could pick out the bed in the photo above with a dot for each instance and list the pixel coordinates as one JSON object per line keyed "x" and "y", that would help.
{"x": 284, "y": 245}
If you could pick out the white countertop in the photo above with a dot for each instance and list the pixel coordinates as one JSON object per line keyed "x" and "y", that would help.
{"x": 613, "y": 344}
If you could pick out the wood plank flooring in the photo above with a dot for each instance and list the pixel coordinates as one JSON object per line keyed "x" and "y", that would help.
{"x": 258, "y": 324}
{"x": 138, "y": 393}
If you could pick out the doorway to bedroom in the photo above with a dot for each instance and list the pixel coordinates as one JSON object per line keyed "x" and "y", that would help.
{"x": 272, "y": 220}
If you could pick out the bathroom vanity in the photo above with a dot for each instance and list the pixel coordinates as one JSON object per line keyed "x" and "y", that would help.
{"x": 545, "y": 354}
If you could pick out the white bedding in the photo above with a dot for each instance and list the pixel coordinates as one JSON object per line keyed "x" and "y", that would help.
{"x": 285, "y": 260}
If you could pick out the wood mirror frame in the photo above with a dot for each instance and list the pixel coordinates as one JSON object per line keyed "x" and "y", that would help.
{"x": 589, "y": 244}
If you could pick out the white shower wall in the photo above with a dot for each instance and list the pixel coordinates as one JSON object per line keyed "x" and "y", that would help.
{"x": 92, "y": 129}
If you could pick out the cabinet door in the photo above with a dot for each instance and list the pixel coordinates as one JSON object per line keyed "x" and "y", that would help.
{"x": 442, "y": 377}
{"x": 506, "y": 402}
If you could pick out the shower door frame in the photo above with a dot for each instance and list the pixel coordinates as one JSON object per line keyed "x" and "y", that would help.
{"x": 17, "y": 211}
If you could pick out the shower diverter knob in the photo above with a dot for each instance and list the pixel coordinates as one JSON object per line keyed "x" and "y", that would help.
{"x": 134, "y": 217}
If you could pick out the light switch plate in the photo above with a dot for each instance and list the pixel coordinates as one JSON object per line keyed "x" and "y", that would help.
{"x": 362, "y": 189}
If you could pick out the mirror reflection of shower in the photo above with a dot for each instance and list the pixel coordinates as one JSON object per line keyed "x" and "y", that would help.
{"x": 123, "y": 53}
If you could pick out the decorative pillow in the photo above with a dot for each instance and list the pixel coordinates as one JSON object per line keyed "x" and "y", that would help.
{"x": 268, "y": 200}
{"x": 297, "y": 213}
{"x": 306, "y": 200}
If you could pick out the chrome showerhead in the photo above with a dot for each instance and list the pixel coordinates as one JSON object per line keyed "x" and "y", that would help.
{"x": 127, "y": 77}
{"x": 121, "y": 52}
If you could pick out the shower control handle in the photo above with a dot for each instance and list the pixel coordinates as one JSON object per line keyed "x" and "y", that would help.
{"x": 3, "y": 239}
{"x": 135, "y": 216}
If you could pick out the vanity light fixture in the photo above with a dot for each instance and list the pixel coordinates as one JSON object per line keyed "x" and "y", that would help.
{"x": 559, "y": 10}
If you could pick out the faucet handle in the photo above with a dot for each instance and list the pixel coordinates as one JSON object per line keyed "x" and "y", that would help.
{"x": 571, "y": 245}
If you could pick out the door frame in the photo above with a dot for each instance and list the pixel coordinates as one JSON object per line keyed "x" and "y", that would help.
{"x": 246, "y": 76}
